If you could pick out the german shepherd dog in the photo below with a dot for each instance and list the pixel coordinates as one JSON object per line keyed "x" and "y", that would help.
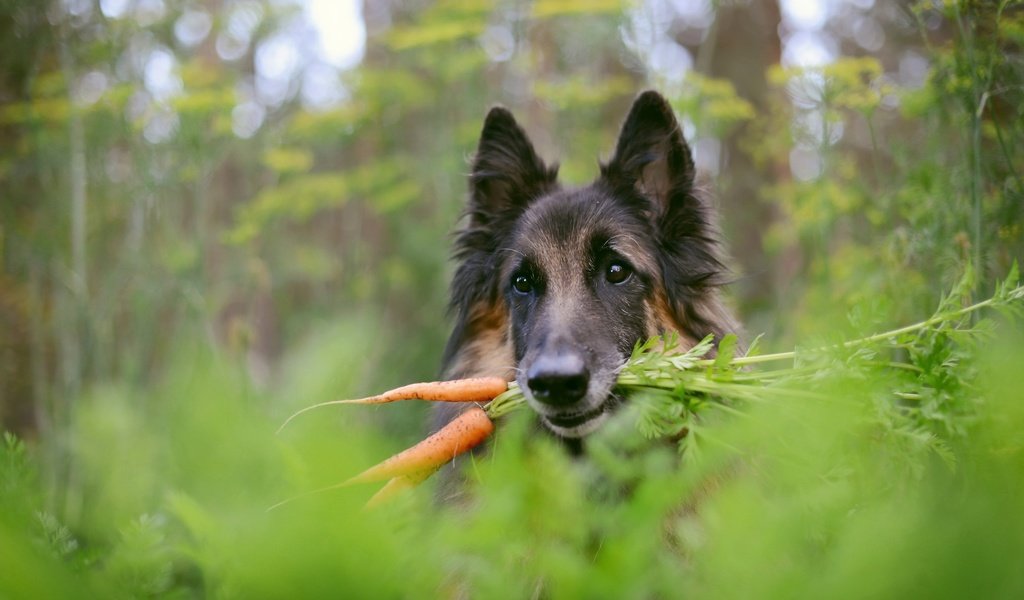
{"x": 554, "y": 286}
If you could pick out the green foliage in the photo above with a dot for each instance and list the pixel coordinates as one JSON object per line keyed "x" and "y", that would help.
{"x": 712, "y": 104}
{"x": 56, "y": 538}
{"x": 795, "y": 481}
{"x": 15, "y": 469}
{"x": 919, "y": 191}
{"x": 381, "y": 185}
{"x": 181, "y": 269}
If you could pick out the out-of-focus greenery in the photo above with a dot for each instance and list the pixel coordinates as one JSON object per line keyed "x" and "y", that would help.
{"x": 191, "y": 248}
{"x": 834, "y": 494}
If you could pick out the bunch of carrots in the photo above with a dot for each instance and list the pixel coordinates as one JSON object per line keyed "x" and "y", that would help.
{"x": 413, "y": 465}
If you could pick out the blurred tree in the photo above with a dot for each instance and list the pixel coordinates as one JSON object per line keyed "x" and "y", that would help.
{"x": 743, "y": 44}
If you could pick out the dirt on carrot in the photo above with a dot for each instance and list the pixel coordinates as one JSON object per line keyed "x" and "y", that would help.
{"x": 462, "y": 434}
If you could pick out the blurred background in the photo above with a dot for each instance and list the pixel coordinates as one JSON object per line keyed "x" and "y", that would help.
{"x": 272, "y": 184}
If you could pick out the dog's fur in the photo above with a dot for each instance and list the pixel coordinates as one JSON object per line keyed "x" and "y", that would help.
{"x": 554, "y": 286}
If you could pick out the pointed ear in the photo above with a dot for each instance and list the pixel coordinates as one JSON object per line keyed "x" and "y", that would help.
{"x": 507, "y": 173}
{"x": 653, "y": 166}
{"x": 651, "y": 154}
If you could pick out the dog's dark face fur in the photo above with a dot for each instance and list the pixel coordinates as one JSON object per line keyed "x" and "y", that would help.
{"x": 555, "y": 286}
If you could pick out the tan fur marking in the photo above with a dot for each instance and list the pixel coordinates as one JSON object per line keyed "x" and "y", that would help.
{"x": 488, "y": 353}
{"x": 664, "y": 322}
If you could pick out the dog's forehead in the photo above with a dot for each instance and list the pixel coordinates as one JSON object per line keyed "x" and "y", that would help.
{"x": 564, "y": 229}
{"x": 563, "y": 223}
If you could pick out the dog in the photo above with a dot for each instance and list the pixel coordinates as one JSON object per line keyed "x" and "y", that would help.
{"x": 554, "y": 286}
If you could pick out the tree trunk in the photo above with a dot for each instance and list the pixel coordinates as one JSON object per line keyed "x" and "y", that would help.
{"x": 742, "y": 45}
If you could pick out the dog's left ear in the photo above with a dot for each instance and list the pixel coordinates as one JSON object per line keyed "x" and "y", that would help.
{"x": 652, "y": 155}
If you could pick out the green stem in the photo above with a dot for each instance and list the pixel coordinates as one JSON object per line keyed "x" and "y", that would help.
{"x": 698, "y": 383}
{"x": 940, "y": 318}
{"x": 505, "y": 402}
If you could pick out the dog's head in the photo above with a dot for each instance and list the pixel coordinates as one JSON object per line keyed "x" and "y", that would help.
{"x": 580, "y": 275}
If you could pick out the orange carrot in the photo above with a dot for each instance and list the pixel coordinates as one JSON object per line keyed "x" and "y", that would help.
{"x": 460, "y": 435}
{"x": 397, "y": 485}
{"x": 477, "y": 389}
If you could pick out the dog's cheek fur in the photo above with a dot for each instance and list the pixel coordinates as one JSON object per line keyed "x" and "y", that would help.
{"x": 688, "y": 253}
{"x": 626, "y": 312}
{"x": 486, "y": 349}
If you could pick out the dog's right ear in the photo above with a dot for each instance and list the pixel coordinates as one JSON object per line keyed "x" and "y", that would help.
{"x": 507, "y": 173}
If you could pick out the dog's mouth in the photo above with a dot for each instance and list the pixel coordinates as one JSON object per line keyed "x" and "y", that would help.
{"x": 581, "y": 418}
{"x": 570, "y": 420}
{"x": 580, "y": 423}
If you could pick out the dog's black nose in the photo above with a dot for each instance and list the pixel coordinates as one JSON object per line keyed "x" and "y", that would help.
{"x": 558, "y": 378}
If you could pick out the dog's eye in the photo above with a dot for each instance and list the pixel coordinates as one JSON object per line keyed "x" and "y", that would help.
{"x": 522, "y": 284}
{"x": 618, "y": 272}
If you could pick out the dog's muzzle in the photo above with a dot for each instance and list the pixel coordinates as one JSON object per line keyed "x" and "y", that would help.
{"x": 558, "y": 379}
{"x": 558, "y": 382}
